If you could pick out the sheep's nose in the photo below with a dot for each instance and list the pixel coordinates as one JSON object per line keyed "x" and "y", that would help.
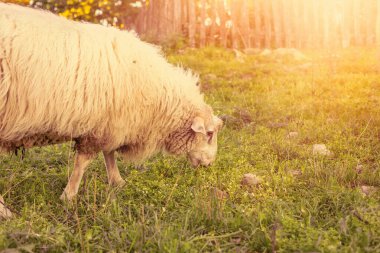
{"x": 207, "y": 163}
{"x": 195, "y": 162}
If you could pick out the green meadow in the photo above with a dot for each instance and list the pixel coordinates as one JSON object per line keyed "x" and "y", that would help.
{"x": 276, "y": 107}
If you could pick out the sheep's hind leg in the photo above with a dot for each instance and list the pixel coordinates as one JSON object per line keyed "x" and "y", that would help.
{"x": 114, "y": 178}
{"x": 80, "y": 164}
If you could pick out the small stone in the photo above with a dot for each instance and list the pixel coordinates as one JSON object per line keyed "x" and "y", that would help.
{"x": 250, "y": 179}
{"x": 292, "y": 135}
{"x": 367, "y": 190}
{"x": 321, "y": 149}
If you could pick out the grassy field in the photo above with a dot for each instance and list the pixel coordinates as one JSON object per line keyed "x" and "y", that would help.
{"x": 302, "y": 202}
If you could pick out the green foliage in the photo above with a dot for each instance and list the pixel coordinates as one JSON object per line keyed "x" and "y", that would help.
{"x": 109, "y": 12}
{"x": 171, "y": 207}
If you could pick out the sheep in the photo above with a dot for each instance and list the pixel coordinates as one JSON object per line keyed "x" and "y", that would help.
{"x": 103, "y": 88}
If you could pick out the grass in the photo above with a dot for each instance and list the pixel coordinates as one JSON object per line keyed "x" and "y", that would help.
{"x": 305, "y": 203}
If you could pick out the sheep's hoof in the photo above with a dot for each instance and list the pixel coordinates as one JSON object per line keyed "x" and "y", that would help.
{"x": 118, "y": 183}
{"x": 5, "y": 213}
{"x": 66, "y": 197}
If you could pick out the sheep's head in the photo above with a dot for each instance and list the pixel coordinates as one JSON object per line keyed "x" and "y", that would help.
{"x": 204, "y": 145}
{"x": 197, "y": 138}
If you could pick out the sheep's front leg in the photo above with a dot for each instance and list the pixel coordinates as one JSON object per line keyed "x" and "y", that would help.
{"x": 80, "y": 164}
{"x": 5, "y": 213}
{"x": 114, "y": 178}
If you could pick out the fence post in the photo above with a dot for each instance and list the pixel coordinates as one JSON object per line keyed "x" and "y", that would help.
{"x": 277, "y": 22}
{"x": 192, "y": 22}
{"x": 286, "y": 6}
{"x": 245, "y": 24}
{"x": 267, "y": 24}
{"x": 202, "y": 28}
{"x": 213, "y": 15}
{"x": 222, "y": 28}
{"x": 257, "y": 15}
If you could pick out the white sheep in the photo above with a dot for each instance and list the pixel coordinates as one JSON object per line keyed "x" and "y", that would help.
{"x": 103, "y": 88}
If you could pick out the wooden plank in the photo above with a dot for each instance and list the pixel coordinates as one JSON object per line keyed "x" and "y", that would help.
{"x": 267, "y": 23}
{"x": 192, "y": 22}
{"x": 257, "y": 10}
{"x": 277, "y": 11}
{"x": 202, "y": 27}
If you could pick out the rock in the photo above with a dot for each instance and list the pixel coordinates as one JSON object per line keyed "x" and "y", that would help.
{"x": 266, "y": 52}
{"x": 367, "y": 190}
{"x": 321, "y": 149}
{"x": 5, "y": 213}
{"x": 250, "y": 179}
{"x": 219, "y": 194}
{"x": 292, "y": 135}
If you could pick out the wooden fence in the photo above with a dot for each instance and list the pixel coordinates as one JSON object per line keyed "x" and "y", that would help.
{"x": 262, "y": 23}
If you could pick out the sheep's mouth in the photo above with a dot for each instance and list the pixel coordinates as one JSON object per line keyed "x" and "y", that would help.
{"x": 196, "y": 163}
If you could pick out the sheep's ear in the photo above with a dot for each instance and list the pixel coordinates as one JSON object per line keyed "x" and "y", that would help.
{"x": 218, "y": 122}
{"x": 198, "y": 125}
